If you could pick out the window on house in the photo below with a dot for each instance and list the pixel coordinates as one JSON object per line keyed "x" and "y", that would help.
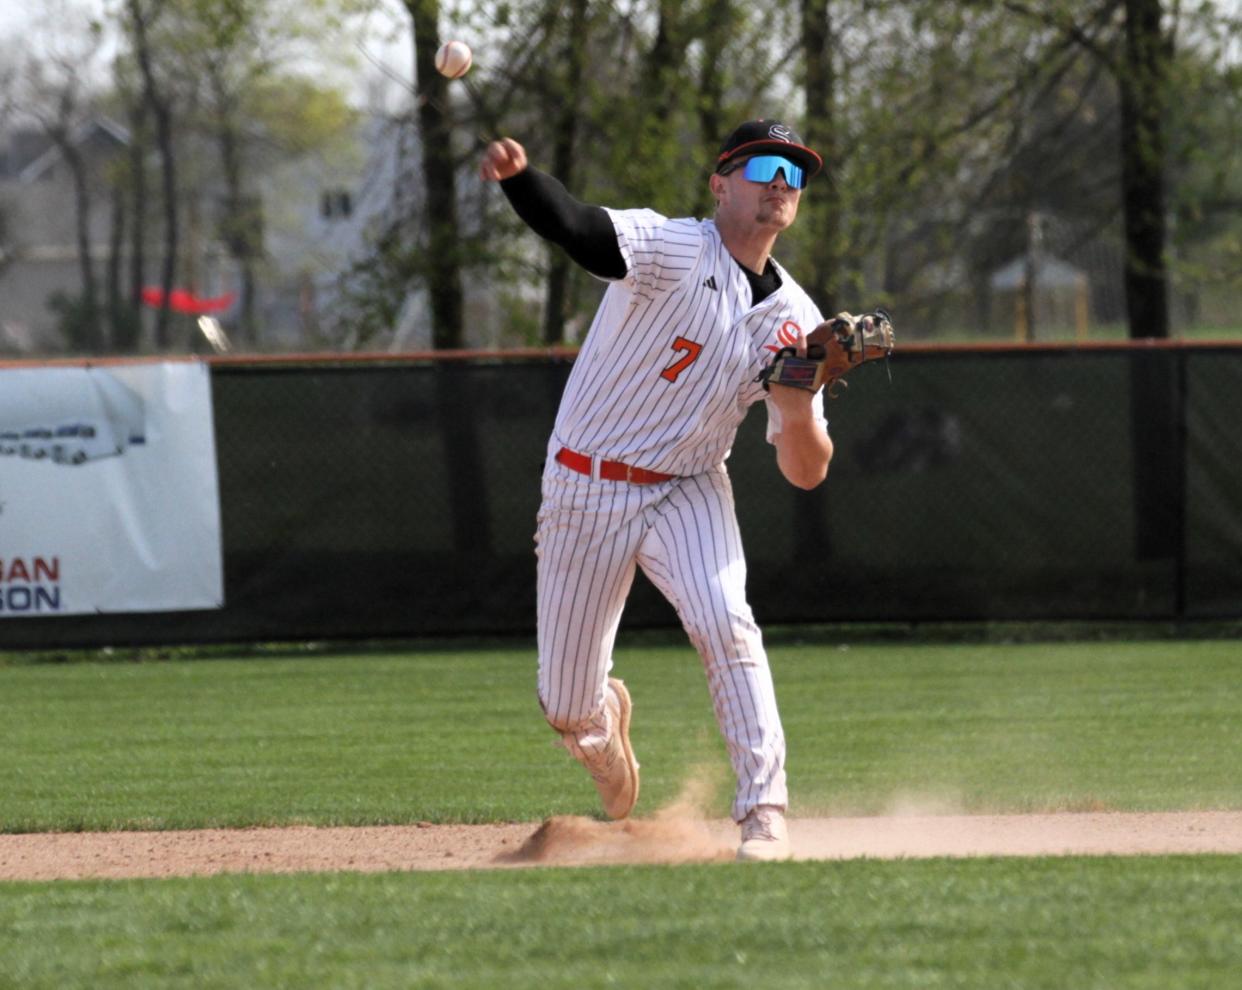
{"x": 335, "y": 204}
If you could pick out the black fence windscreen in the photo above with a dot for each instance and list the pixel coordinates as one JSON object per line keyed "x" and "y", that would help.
{"x": 399, "y": 499}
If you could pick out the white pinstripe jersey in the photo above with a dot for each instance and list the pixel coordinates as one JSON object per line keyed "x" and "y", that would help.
{"x": 668, "y": 368}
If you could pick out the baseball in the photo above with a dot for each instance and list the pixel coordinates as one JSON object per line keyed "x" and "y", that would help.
{"x": 453, "y": 59}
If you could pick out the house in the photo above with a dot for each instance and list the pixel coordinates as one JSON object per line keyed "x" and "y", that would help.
{"x": 321, "y": 212}
{"x": 323, "y": 215}
{"x": 39, "y": 252}
{"x": 38, "y": 227}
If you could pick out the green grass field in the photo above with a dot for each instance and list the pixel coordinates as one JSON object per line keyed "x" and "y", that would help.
{"x": 456, "y": 735}
{"x": 1155, "y": 923}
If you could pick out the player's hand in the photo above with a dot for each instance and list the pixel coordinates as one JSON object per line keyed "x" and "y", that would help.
{"x": 794, "y": 396}
{"x": 800, "y": 343}
{"x": 502, "y": 159}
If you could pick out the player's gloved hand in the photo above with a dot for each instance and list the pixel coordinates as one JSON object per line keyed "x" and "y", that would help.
{"x": 832, "y": 349}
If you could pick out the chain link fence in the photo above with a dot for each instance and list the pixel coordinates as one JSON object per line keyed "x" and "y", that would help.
{"x": 397, "y": 498}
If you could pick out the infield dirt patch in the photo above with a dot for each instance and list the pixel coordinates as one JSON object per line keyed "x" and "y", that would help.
{"x": 569, "y": 840}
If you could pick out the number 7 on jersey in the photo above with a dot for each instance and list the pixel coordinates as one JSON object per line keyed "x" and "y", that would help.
{"x": 681, "y": 364}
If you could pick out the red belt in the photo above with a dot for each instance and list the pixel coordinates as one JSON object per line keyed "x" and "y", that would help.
{"x": 610, "y": 470}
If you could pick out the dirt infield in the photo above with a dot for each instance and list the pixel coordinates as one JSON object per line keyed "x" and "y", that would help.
{"x": 583, "y": 841}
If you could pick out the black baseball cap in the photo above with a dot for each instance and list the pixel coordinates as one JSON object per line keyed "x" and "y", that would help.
{"x": 758, "y": 137}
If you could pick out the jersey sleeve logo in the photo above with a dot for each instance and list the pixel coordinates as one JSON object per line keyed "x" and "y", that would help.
{"x": 786, "y": 336}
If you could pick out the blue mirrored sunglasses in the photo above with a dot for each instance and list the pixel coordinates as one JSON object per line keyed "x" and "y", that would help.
{"x": 763, "y": 168}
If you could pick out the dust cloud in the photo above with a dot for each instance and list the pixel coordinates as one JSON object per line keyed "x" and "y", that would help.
{"x": 679, "y": 832}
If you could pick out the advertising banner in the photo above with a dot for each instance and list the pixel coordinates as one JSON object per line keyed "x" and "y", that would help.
{"x": 109, "y": 500}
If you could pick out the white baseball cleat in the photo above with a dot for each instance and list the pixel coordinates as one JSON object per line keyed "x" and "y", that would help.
{"x": 613, "y": 767}
{"x": 764, "y": 835}
{"x": 616, "y": 774}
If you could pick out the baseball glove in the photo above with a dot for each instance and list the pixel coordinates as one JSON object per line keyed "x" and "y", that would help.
{"x": 832, "y": 349}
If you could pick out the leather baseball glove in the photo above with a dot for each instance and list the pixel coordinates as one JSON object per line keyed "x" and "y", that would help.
{"x": 832, "y": 349}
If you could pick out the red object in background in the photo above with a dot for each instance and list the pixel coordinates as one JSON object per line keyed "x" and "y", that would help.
{"x": 183, "y": 301}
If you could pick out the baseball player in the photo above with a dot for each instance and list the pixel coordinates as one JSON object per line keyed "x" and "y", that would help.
{"x": 635, "y": 474}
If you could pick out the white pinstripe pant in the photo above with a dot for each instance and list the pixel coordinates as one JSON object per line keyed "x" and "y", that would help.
{"x": 684, "y": 534}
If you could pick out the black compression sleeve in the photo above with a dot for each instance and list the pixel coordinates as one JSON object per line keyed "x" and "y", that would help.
{"x": 585, "y": 232}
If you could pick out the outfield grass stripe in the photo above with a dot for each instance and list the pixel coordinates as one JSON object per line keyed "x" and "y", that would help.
{"x": 457, "y": 736}
{"x": 1092, "y": 924}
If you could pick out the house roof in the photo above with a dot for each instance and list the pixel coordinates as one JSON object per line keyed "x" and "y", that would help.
{"x": 1049, "y": 273}
{"x": 100, "y": 126}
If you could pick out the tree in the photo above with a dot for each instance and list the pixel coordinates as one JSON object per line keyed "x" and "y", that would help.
{"x": 1142, "y": 77}
{"x": 55, "y": 98}
{"x": 439, "y": 177}
{"x": 826, "y": 206}
{"x": 626, "y": 105}
{"x": 564, "y": 158}
{"x": 8, "y": 76}
{"x": 944, "y": 127}
{"x": 131, "y": 192}
{"x": 228, "y": 27}
{"x": 720, "y": 23}
{"x": 1131, "y": 40}
{"x": 1205, "y": 156}
{"x": 141, "y": 16}
{"x": 239, "y": 93}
